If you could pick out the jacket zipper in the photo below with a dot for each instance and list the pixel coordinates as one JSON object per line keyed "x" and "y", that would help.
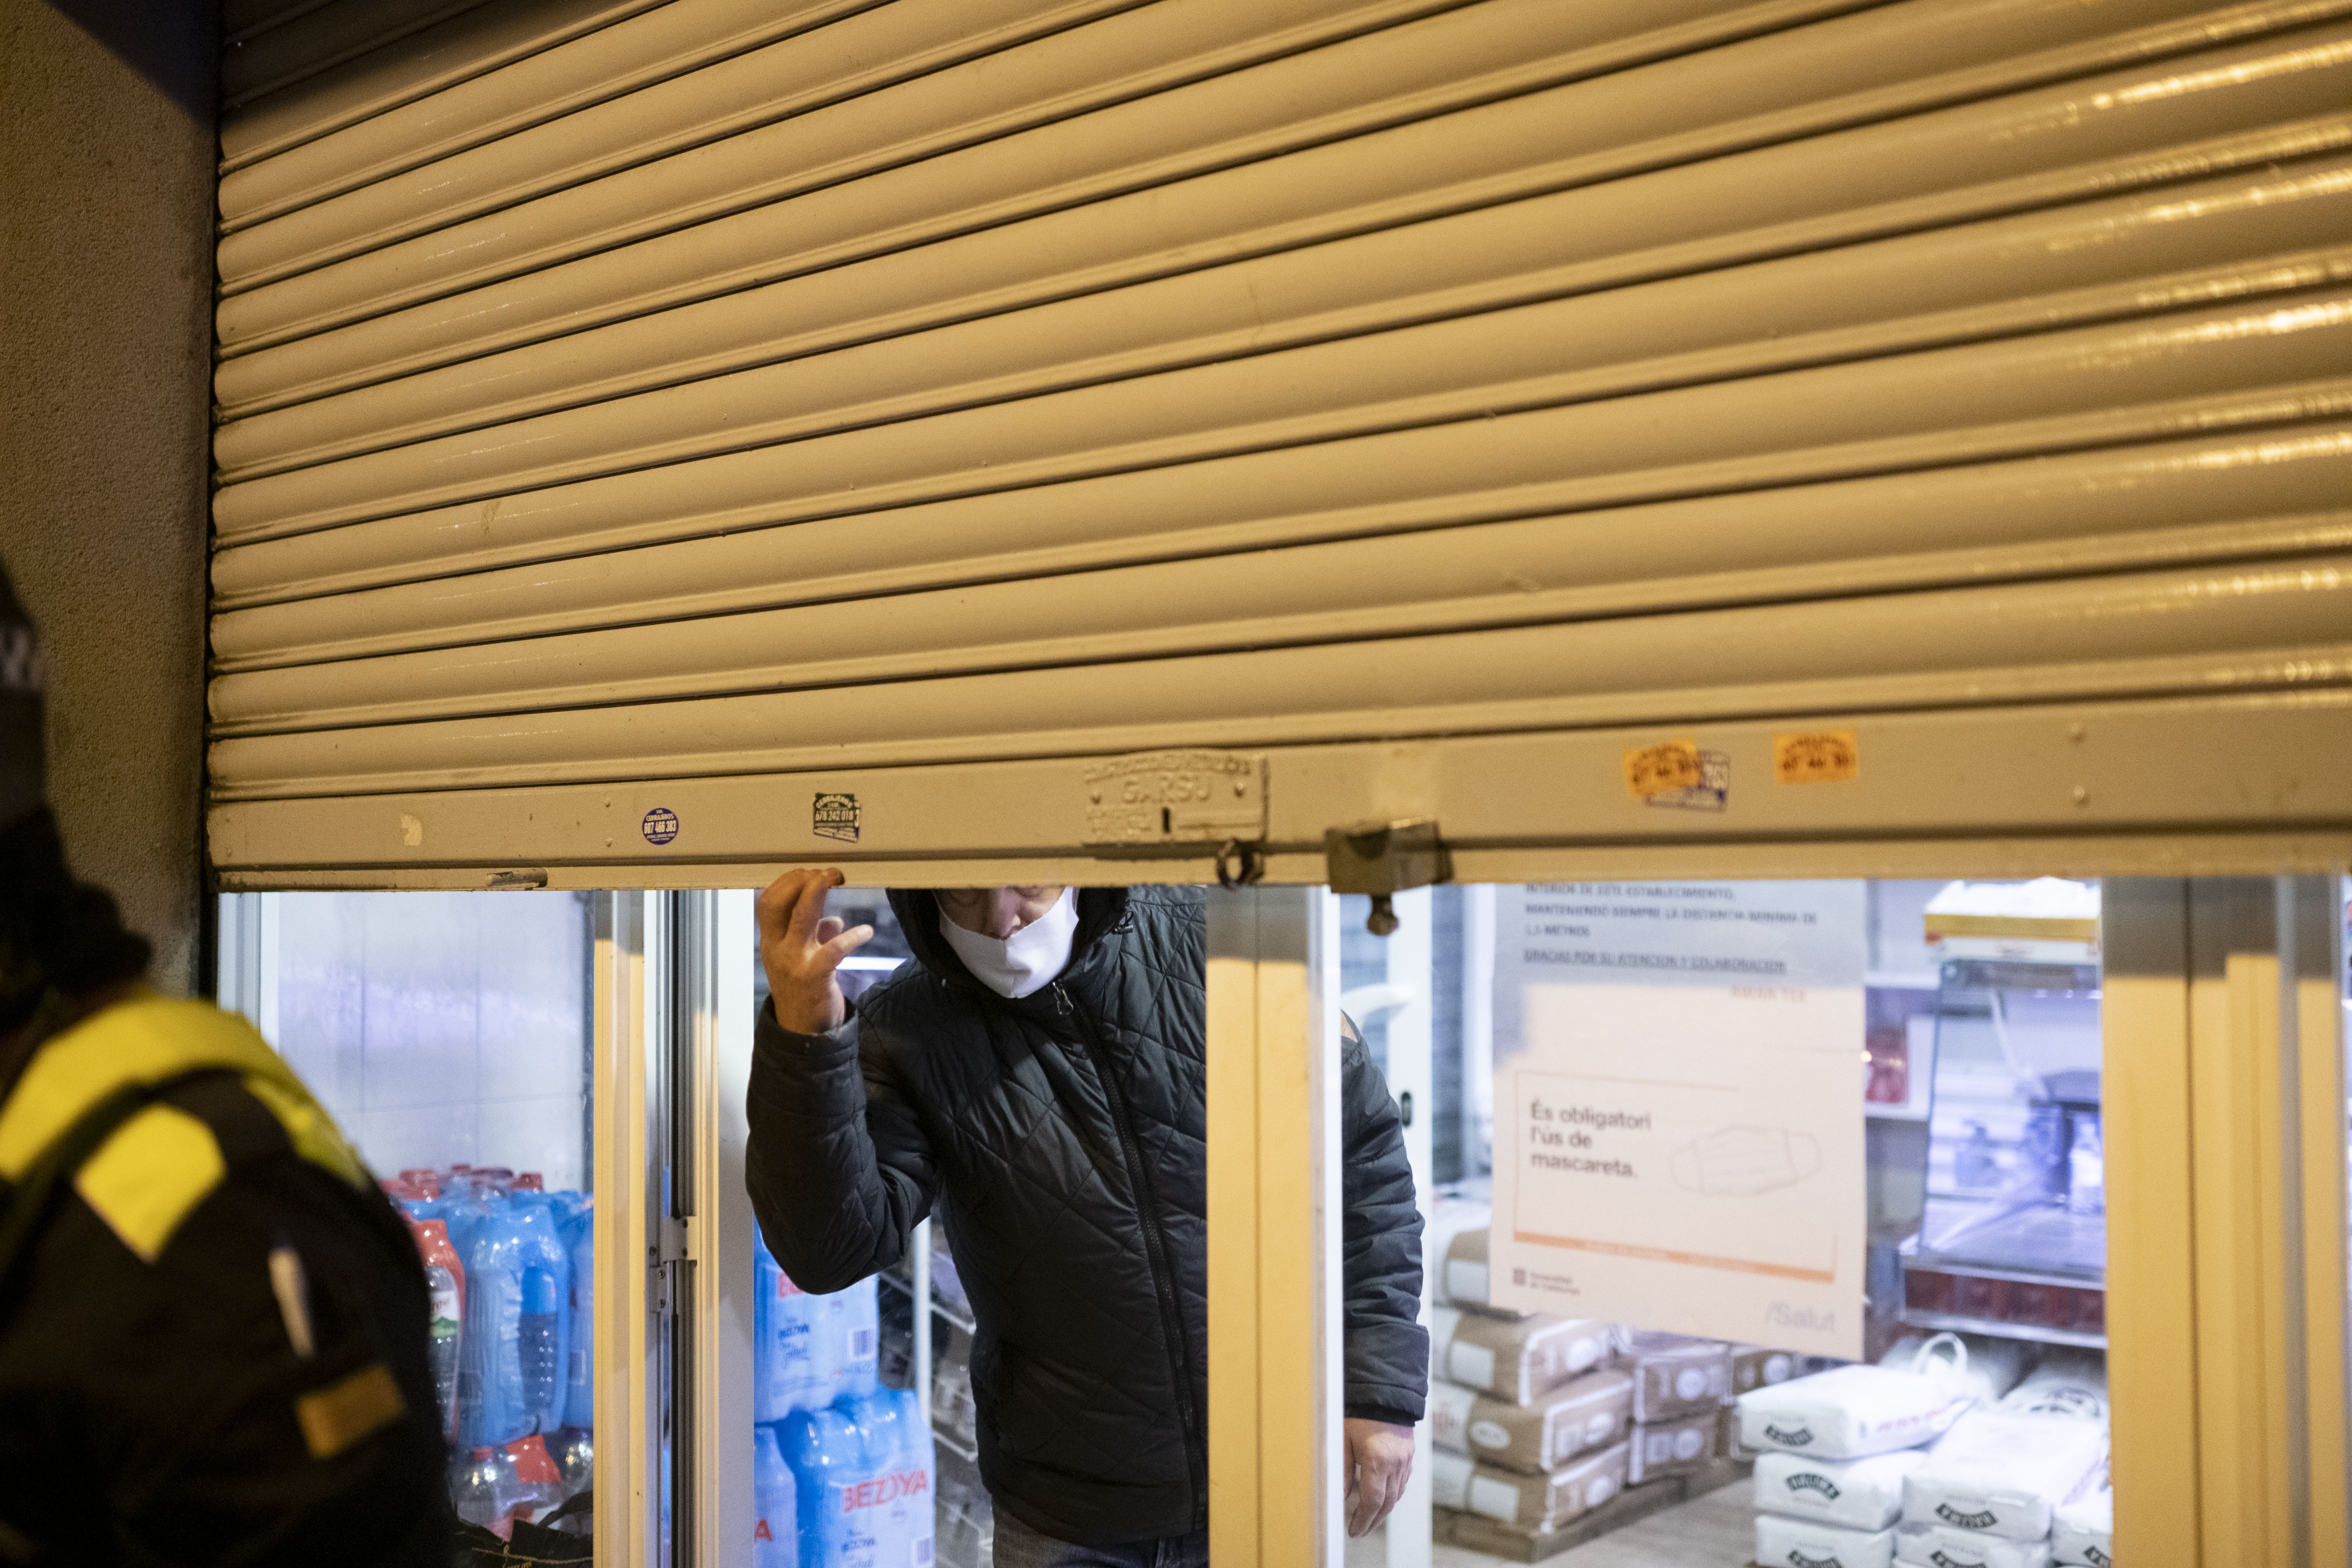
{"x": 1155, "y": 1249}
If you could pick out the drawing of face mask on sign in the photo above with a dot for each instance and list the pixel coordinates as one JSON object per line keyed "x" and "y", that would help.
{"x": 1738, "y": 1161}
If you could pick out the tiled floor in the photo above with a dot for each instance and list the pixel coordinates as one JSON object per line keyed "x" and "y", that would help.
{"x": 1717, "y": 1531}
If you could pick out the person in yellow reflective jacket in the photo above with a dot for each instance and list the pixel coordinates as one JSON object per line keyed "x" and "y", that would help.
{"x": 212, "y": 1339}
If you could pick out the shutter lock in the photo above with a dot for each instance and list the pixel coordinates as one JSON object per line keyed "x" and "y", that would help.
{"x": 1384, "y": 859}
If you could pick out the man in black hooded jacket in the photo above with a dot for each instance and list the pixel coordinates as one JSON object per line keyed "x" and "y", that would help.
{"x": 1038, "y": 1075}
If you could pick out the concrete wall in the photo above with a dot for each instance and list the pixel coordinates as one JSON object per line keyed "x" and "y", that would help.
{"x": 106, "y": 203}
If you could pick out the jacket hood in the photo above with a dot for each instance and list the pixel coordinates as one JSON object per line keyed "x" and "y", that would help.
{"x": 1100, "y": 909}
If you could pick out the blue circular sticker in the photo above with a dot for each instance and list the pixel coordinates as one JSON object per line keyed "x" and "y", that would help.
{"x": 660, "y": 825}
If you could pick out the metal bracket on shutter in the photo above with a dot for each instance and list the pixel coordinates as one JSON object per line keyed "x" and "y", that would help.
{"x": 672, "y": 1248}
{"x": 1384, "y": 859}
{"x": 1177, "y": 801}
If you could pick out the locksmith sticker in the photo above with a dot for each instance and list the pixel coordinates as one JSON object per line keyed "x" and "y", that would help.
{"x": 1653, "y": 770}
{"x": 660, "y": 825}
{"x": 834, "y": 817}
{"x": 1816, "y": 756}
{"x": 1712, "y": 793}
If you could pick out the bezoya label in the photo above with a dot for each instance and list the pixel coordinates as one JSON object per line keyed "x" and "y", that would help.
{"x": 1796, "y": 1439}
{"x": 1983, "y": 1518}
{"x": 1809, "y": 1481}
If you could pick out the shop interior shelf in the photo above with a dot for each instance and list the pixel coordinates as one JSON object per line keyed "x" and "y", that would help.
{"x": 938, "y": 1309}
{"x": 1995, "y": 1329}
{"x": 2037, "y": 1242}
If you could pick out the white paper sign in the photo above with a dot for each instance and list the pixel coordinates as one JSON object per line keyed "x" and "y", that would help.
{"x": 1679, "y": 1118}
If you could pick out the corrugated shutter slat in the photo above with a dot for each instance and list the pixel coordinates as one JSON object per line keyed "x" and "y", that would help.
{"x": 732, "y": 392}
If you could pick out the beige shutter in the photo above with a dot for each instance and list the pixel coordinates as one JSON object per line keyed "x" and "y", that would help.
{"x": 637, "y": 421}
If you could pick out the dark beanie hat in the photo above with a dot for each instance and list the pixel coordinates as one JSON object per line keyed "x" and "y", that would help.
{"x": 54, "y": 933}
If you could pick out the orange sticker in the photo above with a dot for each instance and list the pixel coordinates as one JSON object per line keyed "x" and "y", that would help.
{"x": 1668, "y": 765}
{"x": 1818, "y": 756}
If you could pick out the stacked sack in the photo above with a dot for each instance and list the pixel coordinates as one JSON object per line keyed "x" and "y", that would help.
{"x": 1680, "y": 1385}
{"x": 1992, "y": 1491}
{"x": 1528, "y": 1424}
{"x": 1834, "y": 1451}
{"x": 1943, "y": 1455}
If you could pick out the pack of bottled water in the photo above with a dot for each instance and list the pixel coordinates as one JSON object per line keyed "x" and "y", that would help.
{"x": 511, "y": 1268}
{"x": 846, "y": 1485}
{"x": 809, "y": 1350}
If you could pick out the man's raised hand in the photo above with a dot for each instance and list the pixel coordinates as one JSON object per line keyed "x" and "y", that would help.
{"x": 801, "y": 947}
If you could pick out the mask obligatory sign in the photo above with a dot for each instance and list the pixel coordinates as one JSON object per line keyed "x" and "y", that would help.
{"x": 1678, "y": 1127}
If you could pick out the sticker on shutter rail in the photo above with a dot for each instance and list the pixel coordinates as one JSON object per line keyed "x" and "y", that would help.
{"x": 1668, "y": 765}
{"x": 834, "y": 817}
{"x": 1818, "y": 756}
{"x": 1176, "y": 797}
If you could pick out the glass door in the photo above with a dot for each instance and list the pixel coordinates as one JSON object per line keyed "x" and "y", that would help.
{"x": 1715, "y": 1166}
{"x": 456, "y": 1038}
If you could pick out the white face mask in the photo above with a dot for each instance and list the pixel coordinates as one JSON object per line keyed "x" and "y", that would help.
{"x": 1025, "y": 961}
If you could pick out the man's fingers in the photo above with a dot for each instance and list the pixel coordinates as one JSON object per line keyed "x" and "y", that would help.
{"x": 810, "y": 907}
{"x": 1359, "y": 1499}
{"x": 830, "y": 927}
{"x": 840, "y": 946}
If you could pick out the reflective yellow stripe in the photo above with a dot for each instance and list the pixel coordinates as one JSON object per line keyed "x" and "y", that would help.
{"x": 145, "y": 1040}
{"x": 335, "y": 1417}
{"x": 144, "y": 1181}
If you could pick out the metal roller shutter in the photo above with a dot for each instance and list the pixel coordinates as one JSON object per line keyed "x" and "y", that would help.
{"x": 733, "y": 402}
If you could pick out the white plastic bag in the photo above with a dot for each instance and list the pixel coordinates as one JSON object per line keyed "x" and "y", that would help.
{"x": 2084, "y": 1530}
{"x": 1860, "y": 1494}
{"x": 1852, "y": 1412}
{"x": 2068, "y": 1382}
{"x": 1984, "y": 1369}
{"x": 2005, "y": 1475}
{"x": 1941, "y": 1546}
{"x": 1784, "y": 1542}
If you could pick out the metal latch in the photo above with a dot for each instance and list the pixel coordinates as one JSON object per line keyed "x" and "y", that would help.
{"x": 670, "y": 1248}
{"x": 1384, "y": 859}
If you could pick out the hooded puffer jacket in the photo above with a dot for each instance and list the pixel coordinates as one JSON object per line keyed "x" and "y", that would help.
{"x": 1062, "y": 1138}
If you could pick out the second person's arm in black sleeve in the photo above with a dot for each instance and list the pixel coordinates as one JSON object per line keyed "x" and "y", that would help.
{"x": 1386, "y": 1355}
{"x": 837, "y": 1167}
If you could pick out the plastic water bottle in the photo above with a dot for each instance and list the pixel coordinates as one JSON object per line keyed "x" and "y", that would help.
{"x": 573, "y": 1449}
{"x": 538, "y": 1484}
{"x": 445, "y": 1279}
{"x": 827, "y": 1454}
{"x": 580, "y": 1341}
{"x": 785, "y": 1318}
{"x": 854, "y": 1340}
{"x": 517, "y": 1274}
{"x": 482, "y": 1492}
{"x": 776, "y": 1534}
{"x": 539, "y": 1334}
{"x": 900, "y": 1456}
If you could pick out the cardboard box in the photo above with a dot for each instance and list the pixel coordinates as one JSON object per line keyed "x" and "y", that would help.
{"x": 1536, "y": 1504}
{"x": 1518, "y": 1362}
{"x": 1671, "y": 1447}
{"x": 1673, "y": 1374}
{"x": 1590, "y": 1412}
